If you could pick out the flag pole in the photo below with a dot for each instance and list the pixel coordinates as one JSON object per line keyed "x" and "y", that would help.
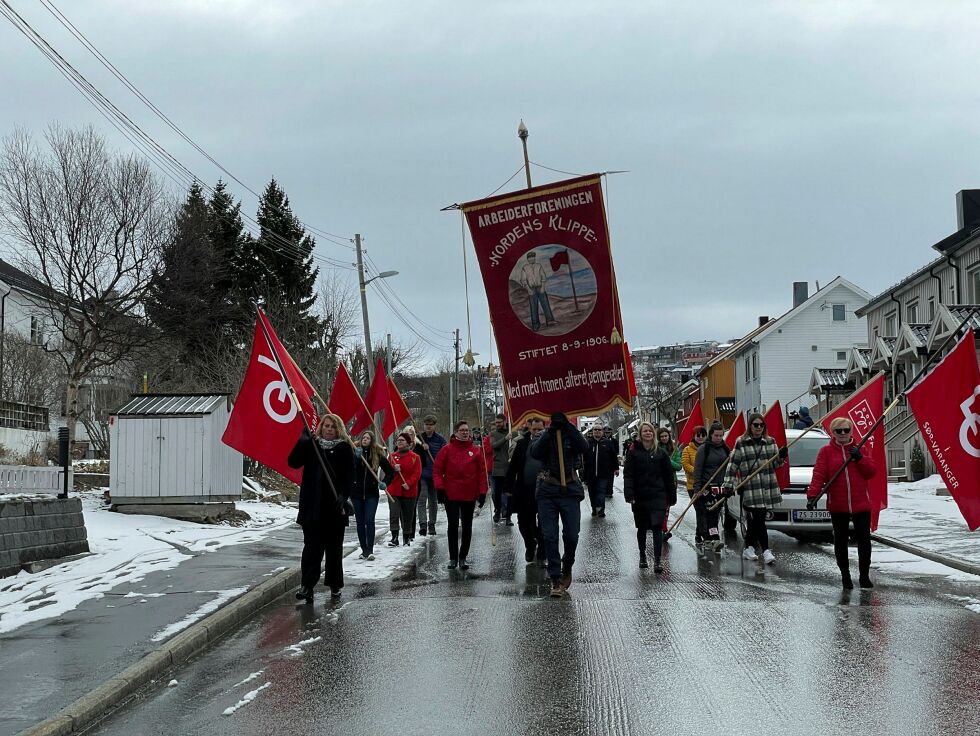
{"x": 915, "y": 379}
{"x": 696, "y": 496}
{"x": 299, "y": 408}
{"x": 571, "y": 277}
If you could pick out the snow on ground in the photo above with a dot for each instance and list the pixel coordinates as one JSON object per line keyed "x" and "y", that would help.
{"x": 222, "y": 597}
{"x": 246, "y": 699}
{"x": 125, "y": 548}
{"x": 387, "y": 559}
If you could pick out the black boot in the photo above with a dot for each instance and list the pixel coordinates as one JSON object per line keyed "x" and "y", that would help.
{"x": 305, "y": 593}
{"x": 643, "y": 560}
{"x": 865, "y": 580}
{"x": 846, "y": 582}
{"x": 657, "y": 567}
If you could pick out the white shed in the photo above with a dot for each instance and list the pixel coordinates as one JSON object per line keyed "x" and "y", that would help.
{"x": 166, "y": 448}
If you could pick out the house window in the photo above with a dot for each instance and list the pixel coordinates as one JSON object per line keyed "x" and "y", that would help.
{"x": 891, "y": 323}
{"x": 748, "y": 365}
{"x": 841, "y": 355}
{"x": 973, "y": 279}
{"x": 37, "y": 331}
{"x": 755, "y": 365}
{"x": 912, "y": 312}
{"x": 839, "y": 313}
{"x": 932, "y": 308}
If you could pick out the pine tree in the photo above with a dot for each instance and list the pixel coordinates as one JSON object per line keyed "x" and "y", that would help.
{"x": 231, "y": 245}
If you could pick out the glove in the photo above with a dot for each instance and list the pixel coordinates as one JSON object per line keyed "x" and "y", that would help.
{"x": 483, "y": 499}
{"x": 856, "y": 455}
{"x": 811, "y": 504}
{"x": 559, "y": 420}
{"x": 783, "y": 453}
{"x": 382, "y": 485}
{"x": 740, "y": 491}
{"x": 728, "y": 493}
{"x": 441, "y": 496}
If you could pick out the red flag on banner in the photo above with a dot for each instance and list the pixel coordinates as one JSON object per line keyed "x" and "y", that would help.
{"x": 863, "y": 408}
{"x": 736, "y": 431}
{"x": 344, "y": 401}
{"x": 777, "y": 430}
{"x": 376, "y": 401}
{"x": 265, "y": 423}
{"x": 630, "y": 377}
{"x": 695, "y": 420}
{"x": 398, "y": 412}
{"x": 560, "y": 259}
{"x": 946, "y": 404}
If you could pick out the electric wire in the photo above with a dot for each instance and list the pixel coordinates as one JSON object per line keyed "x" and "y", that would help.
{"x": 557, "y": 171}
{"x": 507, "y": 182}
{"x": 397, "y": 298}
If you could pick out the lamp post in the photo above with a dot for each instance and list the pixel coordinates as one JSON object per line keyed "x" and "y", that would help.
{"x": 368, "y": 352}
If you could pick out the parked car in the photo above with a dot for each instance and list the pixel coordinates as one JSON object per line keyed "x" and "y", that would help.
{"x": 791, "y": 516}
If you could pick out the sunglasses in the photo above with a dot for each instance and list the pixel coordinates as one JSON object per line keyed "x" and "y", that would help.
{"x": 758, "y": 424}
{"x": 842, "y": 430}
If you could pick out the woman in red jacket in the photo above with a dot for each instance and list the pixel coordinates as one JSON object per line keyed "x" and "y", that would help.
{"x": 460, "y": 477}
{"x": 404, "y": 489}
{"x": 848, "y": 497}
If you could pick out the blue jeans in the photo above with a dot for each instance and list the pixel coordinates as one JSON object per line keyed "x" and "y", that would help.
{"x": 598, "y": 489}
{"x": 569, "y": 509}
{"x": 537, "y": 299}
{"x": 364, "y": 512}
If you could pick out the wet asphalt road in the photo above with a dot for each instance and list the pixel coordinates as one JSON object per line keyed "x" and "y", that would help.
{"x": 708, "y": 647}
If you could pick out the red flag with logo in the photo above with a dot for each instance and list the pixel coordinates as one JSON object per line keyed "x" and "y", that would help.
{"x": 265, "y": 422}
{"x": 398, "y": 412}
{"x": 695, "y": 420}
{"x": 863, "y": 408}
{"x": 344, "y": 401}
{"x": 777, "y": 430}
{"x": 946, "y": 404}
{"x": 736, "y": 431}
{"x": 376, "y": 401}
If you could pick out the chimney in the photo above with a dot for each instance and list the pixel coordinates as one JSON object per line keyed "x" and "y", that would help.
{"x": 967, "y": 208}
{"x": 763, "y": 319}
{"x": 801, "y": 292}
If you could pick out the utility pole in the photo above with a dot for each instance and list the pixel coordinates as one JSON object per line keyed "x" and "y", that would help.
{"x": 391, "y": 440}
{"x": 368, "y": 352}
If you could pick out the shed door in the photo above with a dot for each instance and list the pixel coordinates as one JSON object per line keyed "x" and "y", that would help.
{"x": 181, "y": 460}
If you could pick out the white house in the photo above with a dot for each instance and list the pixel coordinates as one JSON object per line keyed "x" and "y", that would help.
{"x": 819, "y": 331}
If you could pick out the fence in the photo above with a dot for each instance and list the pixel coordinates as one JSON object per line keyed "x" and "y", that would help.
{"x": 26, "y": 479}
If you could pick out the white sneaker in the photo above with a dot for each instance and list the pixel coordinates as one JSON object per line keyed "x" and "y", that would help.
{"x": 749, "y": 554}
{"x": 768, "y": 557}
{"x": 370, "y": 557}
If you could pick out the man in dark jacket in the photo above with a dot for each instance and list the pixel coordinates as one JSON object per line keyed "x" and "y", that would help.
{"x": 500, "y": 439}
{"x": 432, "y": 442}
{"x": 559, "y": 494}
{"x": 601, "y": 464}
{"x": 520, "y": 483}
{"x": 803, "y": 419}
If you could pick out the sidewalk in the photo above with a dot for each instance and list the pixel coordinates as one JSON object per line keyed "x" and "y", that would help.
{"x": 66, "y": 630}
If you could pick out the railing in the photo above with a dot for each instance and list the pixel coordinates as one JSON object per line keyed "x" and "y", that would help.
{"x": 14, "y": 415}
{"x": 27, "y": 479}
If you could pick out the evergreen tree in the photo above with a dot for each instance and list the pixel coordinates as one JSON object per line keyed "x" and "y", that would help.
{"x": 231, "y": 245}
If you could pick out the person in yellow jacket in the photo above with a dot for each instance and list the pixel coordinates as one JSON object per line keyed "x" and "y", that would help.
{"x": 687, "y": 461}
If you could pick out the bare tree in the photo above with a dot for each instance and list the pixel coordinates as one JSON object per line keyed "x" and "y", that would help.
{"x": 30, "y": 374}
{"x": 93, "y": 224}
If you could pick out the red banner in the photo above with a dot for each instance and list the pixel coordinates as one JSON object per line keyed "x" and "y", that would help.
{"x": 547, "y": 266}
{"x": 265, "y": 423}
{"x": 376, "y": 401}
{"x": 695, "y": 420}
{"x": 344, "y": 399}
{"x": 735, "y": 431}
{"x": 776, "y": 428}
{"x": 399, "y": 413}
{"x": 863, "y": 408}
{"x": 946, "y": 404}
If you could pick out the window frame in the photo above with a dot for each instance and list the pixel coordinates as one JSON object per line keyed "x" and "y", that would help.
{"x": 843, "y": 312}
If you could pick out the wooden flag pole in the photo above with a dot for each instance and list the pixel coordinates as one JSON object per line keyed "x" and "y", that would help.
{"x": 696, "y": 496}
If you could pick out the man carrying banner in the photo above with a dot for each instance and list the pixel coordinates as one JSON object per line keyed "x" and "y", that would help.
{"x": 559, "y": 494}
{"x": 500, "y": 438}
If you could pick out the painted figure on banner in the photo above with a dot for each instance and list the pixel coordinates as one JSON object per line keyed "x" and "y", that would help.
{"x": 564, "y": 297}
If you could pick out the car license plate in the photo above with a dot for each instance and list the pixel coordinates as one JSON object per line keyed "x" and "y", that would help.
{"x": 811, "y": 516}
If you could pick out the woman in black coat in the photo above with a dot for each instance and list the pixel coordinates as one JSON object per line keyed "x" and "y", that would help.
{"x": 324, "y": 506}
{"x": 372, "y": 474}
{"x": 650, "y": 487}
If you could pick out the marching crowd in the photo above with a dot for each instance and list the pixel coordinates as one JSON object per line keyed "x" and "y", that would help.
{"x": 542, "y": 474}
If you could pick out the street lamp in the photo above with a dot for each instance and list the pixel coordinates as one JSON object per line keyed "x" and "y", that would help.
{"x": 368, "y": 352}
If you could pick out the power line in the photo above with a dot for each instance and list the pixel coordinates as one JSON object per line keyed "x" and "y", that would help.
{"x": 64, "y": 21}
{"x": 397, "y": 298}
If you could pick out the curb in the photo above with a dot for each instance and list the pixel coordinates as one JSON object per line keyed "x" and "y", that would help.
{"x": 98, "y": 703}
{"x": 953, "y": 562}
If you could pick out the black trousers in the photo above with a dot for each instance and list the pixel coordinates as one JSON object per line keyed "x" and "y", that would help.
{"x": 647, "y": 519}
{"x": 756, "y": 534}
{"x": 862, "y": 532}
{"x": 459, "y": 512}
{"x": 324, "y": 538}
{"x": 530, "y": 529}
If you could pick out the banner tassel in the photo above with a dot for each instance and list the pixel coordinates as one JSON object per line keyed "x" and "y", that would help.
{"x": 615, "y": 338}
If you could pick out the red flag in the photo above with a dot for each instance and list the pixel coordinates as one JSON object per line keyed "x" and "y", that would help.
{"x": 265, "y": 423}
{"x": 630, "y": 377}
{"x": 695, "y": 420}
{"x": 777, "y": 430}
{"x": 737, "y": 430}
{"x": 398, "y": 412}
{"x": 344, "y": 399}
{"x": 560, "y": 259}
{"x": 946, "y": 404}
{"x": 863, "y": 408}
{"x": 375, "y": 401}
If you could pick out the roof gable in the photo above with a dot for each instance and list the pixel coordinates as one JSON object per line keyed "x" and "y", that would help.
{"x": 820, "y": 293}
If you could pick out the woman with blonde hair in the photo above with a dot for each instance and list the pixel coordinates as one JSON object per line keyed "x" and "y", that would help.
{"x": 372, "y": 474}
{"x": 650, "y": 487}
{"x": 848, "y": 497}
{"x": 327, "y": 460}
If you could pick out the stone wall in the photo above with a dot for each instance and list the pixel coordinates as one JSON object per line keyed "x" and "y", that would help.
{"x": 39, "y": 528}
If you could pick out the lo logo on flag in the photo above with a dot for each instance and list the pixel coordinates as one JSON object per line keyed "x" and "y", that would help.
{"x": 971, "y": 421}
{"x": 284, "y": 398}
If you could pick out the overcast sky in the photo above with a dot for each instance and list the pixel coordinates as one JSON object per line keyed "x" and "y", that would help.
{"x": 766, "y": 142}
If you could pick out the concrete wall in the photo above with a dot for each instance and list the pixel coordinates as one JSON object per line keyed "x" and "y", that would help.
{"x": 33, "y": 529}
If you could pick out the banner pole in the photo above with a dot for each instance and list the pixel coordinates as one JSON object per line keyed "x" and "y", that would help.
{"x": 522, "y": 133}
